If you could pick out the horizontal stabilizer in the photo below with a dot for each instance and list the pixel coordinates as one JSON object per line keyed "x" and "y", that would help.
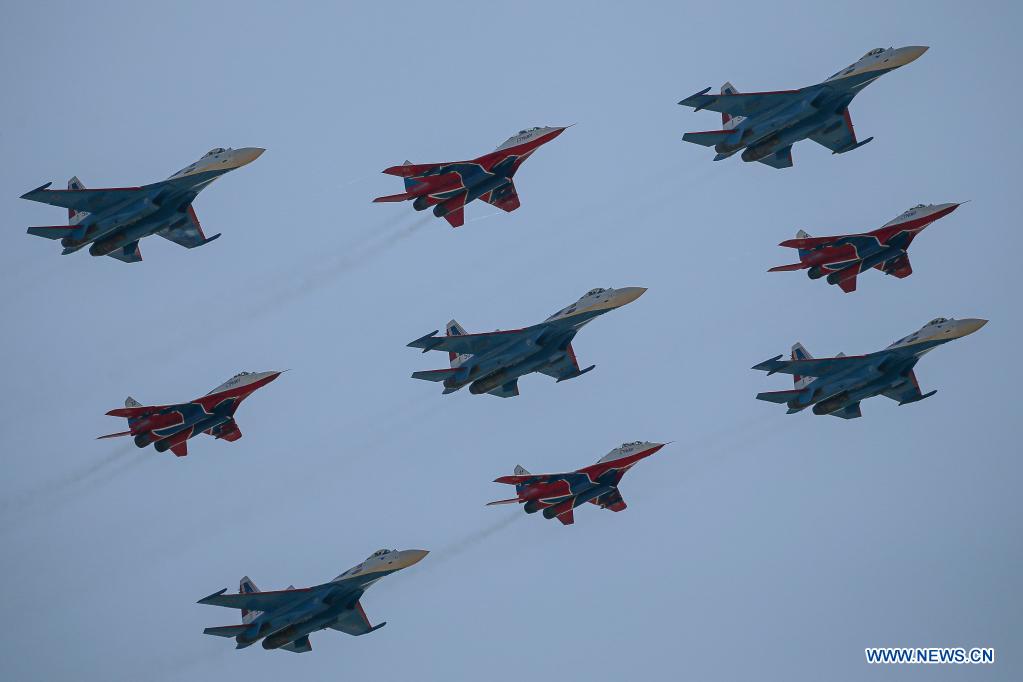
{"x": 848, "y": 285}
{"x": 709, "y": 138}
{"x": 56, "y": 231}
{"x": 440, "y": 374}
{"x": 404, "y": 196}
{"x": 513, "y": 500}
{"x": 132, "y": 412}
{"x": 411, "y": 170}
{"x": 427, "y": 341}
{"x": 785, "y": 268}
{"x": 114, "y": 435}
{"x": 808, "y": 242}
{"x": 226, "y": 630}
{"x": 780, "y": 397}
{"x": 567, "y": 518}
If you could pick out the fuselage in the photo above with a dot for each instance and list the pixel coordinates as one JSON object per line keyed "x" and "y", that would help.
{"x": 533, "y": 348}
{"x": 848, "y": 255}
{"x": 888, "y": 369}
{"x": 174, "y": 424}
{"x": 572, "y": 489}
{"x": 447, "y": 186}
{"x": 821, "y": 109}
{"x": 321, "y": 606}
{"x": 161, "y": 205}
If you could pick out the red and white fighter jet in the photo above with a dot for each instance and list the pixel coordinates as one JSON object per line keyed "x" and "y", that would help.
{"x": 559, "y": 494}
{"x": 168, "y": 427}
{"x": 842, "y": 258}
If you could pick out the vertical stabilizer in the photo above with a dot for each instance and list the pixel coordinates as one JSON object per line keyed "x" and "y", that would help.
{"x": 131, "y": 402}
{"x": 727, "y": 120}
{"x": 520, "y": 470}
{"x": 455, "y": 329}
{"x": 800, "y": 353}
{"x": 74, "y": 217}
{"x": 246, "y": 586}
{"x": 410, "y": 184}
{"x": 803, "y": 234}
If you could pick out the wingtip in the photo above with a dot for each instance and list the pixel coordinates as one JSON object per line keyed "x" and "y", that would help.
{"x": 40, "y": 188}
{"x": 206, "y": 599}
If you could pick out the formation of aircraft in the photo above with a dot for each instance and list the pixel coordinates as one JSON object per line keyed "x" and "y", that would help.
{"x": 763, "y": 125}
{"x": 492, "y": 362}
{"x": 284, "y": 619}
{"x": 114, "y": 219}
{"x": 168, "y": 427}
{"x": 836, "y": 385}
{"x": 842, "y": 258}
{"x": 766, "y": 124}
{"x": 559, "y": 494}
{"x": 449, "y": 186}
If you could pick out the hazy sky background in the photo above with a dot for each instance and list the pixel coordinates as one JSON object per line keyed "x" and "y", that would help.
{"x": 756, "y": 546}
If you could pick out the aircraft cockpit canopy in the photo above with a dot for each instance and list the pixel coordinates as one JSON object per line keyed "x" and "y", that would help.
{"x": 937, "y": 320}
{"x": 875, "y": 51}
{"x": 381, "y": 552}
{"x": 214, "y": 152}
{"x": 594, "y": 292}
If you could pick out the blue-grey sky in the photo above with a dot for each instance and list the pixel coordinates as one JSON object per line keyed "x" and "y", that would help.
{"x": 757, "y": 545}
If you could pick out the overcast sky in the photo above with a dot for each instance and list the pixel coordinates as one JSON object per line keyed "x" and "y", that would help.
{"x": 758, "y": 545}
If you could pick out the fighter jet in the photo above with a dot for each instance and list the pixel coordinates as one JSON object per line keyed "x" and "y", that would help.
{"x": 448, "y": 187}
{"x": 559, "y": 494}
{"x": 836, "y": 385}
{"x": 114, "y": 219}
{"x": 766, "y": 124}
{"x": 844, "y": 257}
{"x": 492, "y": 362}
{"x": 284, "y": 619}
{"x": 168, "y": 427}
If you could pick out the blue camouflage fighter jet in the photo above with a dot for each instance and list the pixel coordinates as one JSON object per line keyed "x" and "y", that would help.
{"x": 836, "y": 385}
{"x": 767, "y": 124}
{"x": 492, "y": 362}
{"x": 114, "y": 219}
{"x": 284, "y": 619}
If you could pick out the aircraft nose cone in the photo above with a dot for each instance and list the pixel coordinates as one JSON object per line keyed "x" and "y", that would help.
{"x": 627, "y": 295}
{"x": 412, "y": 556}
{"x": 971, "y": 325}
{"x": 911, "y": 53}
{"x": 248, "y": 154}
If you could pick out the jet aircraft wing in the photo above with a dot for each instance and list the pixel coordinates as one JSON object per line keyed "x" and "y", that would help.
{"x": 744, "y": 103}
{"x": 612, "y": 500}
{"x": 85, "y": 200}
{"x": 129, "y": 253}
{"x": 565, "y": 368}
{"x": 851, "y": 411}
{"x": 908, "y": 391}
{"x": 816, "y": 367}
{"x": 840, "y": 136}
{"x": 469, "y": 344}
{"x": 354, "y": 622}
{"x": 897, "y": 267}
{"x": 504, "y": 197}
{"x": 258, "y": 601}
{"x": 780, "y": 159}
{"x": 189, "y": 234}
